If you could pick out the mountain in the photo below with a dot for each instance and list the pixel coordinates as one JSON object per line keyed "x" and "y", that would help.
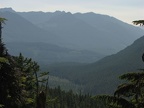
{"x": 45, "y": 53}
{"x": 7, "y": 10}
{"x": 19, "y": 29}
{"x": 39, "y": 17}
{"x": 91, "y": 31}
{"x": 102, "y": 76}
{"x": 20, "y": 35}
{"x": 62, "y": 36}
{"x": 112, "y": 25}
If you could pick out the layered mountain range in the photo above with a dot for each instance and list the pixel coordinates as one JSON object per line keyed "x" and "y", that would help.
{"x": 101, "y": 33}
{"x": 51, "y": 37}
{"x": 89, "y": 31}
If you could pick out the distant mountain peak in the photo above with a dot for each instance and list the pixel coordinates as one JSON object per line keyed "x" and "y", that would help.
{"x": 57, "y": 11}
{"x": 8, "y": 9}
{"x": 62, "y": 13}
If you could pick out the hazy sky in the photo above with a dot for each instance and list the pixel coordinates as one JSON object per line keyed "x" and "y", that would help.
{"x": 125, "y": 10}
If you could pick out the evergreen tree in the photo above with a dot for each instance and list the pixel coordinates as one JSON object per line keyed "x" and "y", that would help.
{"x": 10, "y": 92}
{"x": 32, "y": 82}
{"x": 129, "y": 94}
{"x": 139, "y": 22}
{"x": 19, "y": 81}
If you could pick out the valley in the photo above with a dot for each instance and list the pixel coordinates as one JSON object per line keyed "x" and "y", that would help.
{"x": 87, "y": 51}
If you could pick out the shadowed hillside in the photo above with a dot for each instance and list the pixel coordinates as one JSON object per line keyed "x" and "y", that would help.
{"x": 45, "y": 53}
{"x": 102, "y": 76}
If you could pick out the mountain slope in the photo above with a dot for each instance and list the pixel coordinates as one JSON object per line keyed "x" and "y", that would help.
{"x": 76, "y": 33}
{"x": 45, "y": 53}
{"x": 39, "y": 17}
{"x": 102, "y": 76}
{"x": 19, "y": 29}
{"x": 90, "y": 31}
{"x": 123, "y": 31}
{"x": 18, "y": 33}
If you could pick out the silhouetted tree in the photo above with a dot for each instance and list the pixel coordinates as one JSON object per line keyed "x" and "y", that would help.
{"x": 139, "y": 22}
{"x": 10, "y": 92}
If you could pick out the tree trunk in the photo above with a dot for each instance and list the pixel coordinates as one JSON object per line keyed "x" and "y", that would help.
{"x": 0, "y": 32}
{"x": 41, "y": 100}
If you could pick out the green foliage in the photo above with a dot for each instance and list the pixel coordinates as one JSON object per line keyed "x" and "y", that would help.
{"x": 133, "y": 76}
{"x": 2, "y": 20}
{"x": 58, "y": 98}
{"x": 18, "y": 82}
{"x": 10, "y": 91}
{"x": 9, "y": 86}
{"x": 1, "y": 106}
{"x": 125, "y": 90}
{"x": 43, "y": 74}
{"x": 129, "y": 94}
{"x": 28, "y": 79}
{"x": 115, "y": 102}
{"x": 29, "y": 101}
{"x": 23, "y": 86}
{"x": 3, "y": 60}
{"x": 139, "y": 22}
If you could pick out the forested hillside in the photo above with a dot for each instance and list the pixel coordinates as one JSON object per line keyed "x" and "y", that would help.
{"x": 45, "y": 53}
{"x": 80, "y": 73}
{"x": 22, "y": 85}
{"x": 102, "y": 76}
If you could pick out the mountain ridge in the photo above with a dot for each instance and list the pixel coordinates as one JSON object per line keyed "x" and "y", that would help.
{"x": 87, "y": 31}
{"x": 96, "y": 28}
{"x": 97, "y": 77}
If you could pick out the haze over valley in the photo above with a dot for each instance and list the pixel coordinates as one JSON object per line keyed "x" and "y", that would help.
{"x": 86, "y": 50}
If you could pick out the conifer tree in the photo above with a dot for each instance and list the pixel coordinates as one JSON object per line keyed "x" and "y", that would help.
{"x": 129, "y": 94}
{"x": 19, "y": 81}
{"x": 139, "y": 22}
{"x": 10, "y": 93}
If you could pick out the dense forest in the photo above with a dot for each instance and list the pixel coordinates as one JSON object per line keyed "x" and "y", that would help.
{"x": 23, "y": 85}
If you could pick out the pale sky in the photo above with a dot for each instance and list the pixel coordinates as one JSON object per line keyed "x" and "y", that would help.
{"x": 125, "y": 10}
